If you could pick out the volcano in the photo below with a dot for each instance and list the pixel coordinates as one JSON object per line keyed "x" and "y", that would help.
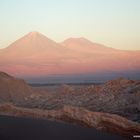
{"x": 36, "y": 55}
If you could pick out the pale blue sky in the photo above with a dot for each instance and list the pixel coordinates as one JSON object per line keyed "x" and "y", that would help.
{"x": 115, "y": 23}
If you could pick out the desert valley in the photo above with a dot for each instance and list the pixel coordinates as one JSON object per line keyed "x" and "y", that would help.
{"x": 70, "y": 70}
{"x": 111, "y": 106}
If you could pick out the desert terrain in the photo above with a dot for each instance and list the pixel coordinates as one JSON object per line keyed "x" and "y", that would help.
{"x": 111, "y": 107}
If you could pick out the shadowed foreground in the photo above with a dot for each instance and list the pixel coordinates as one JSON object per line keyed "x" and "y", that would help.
{"x": 12, "y": 128}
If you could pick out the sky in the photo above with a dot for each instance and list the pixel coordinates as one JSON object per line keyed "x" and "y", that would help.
{"x": 114, "y": 23}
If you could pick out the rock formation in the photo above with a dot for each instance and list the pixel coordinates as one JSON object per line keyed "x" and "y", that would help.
{"x": 76, "y": 115}
{"x": 102, "y": 106}
{"x": 120, "y": 96}
{"x": 15, "y": 90}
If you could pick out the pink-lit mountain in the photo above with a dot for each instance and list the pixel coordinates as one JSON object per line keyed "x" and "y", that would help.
{"x": 36, "y": 55}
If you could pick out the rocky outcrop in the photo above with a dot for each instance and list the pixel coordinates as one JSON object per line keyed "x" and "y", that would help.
{"x": 103, "y": 121}
{"x": 15, "y": 90}
{"x": 120, "y": 96}
{"x": 92, "y": 106}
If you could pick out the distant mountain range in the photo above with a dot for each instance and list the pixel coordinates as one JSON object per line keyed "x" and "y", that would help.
{"x": 35, "y": 55}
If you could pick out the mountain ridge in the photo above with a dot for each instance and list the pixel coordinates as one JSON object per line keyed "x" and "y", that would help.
{"x": 82, "y": 42}
{"x": 35, "y": 54}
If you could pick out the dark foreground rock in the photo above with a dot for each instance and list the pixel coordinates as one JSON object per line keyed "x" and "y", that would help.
{"x": 13, "y": 128}
{"x": 102, "y": 121}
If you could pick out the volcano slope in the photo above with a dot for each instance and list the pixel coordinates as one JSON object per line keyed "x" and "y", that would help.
{"x": 35, "y": 55}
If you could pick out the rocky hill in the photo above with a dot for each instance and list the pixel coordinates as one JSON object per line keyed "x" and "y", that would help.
{"x": 15, "y": 90}
{"x": 120, "y": 96}
{"x": 101, "y": 106}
